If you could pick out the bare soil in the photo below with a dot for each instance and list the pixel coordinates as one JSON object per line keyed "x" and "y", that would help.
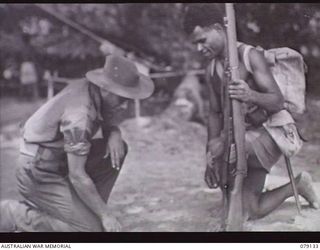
{"x": 161, "y": 185}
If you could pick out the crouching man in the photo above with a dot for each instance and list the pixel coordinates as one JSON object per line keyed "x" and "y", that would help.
{"x": 65, "y": 176}
{"x": 262, "y": 98}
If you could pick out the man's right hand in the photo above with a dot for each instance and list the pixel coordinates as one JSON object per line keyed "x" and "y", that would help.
{"x": 212, "y": 177}
{"x": 110, "y": 223}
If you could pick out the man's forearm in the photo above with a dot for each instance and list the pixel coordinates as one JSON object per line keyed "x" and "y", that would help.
{"x": 214, "y": 125}
{"x": 271, "y": 102}
{"x": 83, "y": 184}
{"x": 88, "y": 193}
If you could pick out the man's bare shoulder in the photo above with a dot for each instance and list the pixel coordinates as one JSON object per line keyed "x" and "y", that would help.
{"x": 257, "y": 59}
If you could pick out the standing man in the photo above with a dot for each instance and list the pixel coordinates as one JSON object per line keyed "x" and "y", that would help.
{"x": 262, "y": 98}
{"x": 65, "y": 176}
{"x": 28, "y": 81}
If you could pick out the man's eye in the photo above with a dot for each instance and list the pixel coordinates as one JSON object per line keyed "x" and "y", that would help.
{"x": 201, "y": 41}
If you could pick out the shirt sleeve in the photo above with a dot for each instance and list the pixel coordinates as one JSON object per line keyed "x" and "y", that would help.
{"x": 76, "y": 127}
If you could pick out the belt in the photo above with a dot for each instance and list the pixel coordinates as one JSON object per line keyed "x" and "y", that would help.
{"x": 38, "y": 151}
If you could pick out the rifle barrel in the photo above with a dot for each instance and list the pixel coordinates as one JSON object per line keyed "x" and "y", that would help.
{"x": 235, "y": 211}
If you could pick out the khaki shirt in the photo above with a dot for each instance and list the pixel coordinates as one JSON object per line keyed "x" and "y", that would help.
{"x": 67, "y": 121}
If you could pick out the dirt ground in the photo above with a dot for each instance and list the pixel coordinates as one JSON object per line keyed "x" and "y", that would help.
{"x": 161, "y": 185}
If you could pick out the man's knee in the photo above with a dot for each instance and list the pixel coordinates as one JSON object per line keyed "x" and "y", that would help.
{"x": 254, "y": 212}
{"x": 125, "y": 153}
{"x": 251, "y": 206}
{"x": 126, "y": 148}
{"x": 253, "y": 187}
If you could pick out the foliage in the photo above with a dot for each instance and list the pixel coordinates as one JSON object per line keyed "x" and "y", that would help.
{"x": 151, "y": 30}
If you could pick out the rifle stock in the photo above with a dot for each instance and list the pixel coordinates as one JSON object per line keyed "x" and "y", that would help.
{"x": 234, "y": 220}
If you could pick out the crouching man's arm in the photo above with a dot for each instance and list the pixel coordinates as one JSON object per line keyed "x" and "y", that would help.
{"x": 87, "y": 191}
{"x": 268, "y": 95}
{"x": 215, "y": 144}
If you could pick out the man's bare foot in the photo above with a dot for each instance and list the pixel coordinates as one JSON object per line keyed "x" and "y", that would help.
{"x": 306, "y": 189}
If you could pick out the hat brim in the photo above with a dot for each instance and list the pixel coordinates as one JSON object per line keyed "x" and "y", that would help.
{"x": 144, "y": 88}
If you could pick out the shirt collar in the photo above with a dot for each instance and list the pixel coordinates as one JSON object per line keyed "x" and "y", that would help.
{"x": 95, "y": 95}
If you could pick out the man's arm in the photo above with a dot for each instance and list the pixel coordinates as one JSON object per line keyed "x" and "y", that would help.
{"x": 215, "y": 115}
{"x": 215, "y": 144}
{"x": 87, "y": 191}
{"x": 268, "y": 96}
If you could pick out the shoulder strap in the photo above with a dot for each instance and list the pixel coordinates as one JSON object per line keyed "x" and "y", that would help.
{"x": 246, "y": 60}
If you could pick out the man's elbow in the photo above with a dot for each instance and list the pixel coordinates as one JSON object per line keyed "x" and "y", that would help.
{"x": 278, "y": 103}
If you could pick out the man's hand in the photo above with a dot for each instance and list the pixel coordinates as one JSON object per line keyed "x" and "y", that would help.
{"x": 116, "y": 148}
{"x": 215, "y": 149}
{"x": 211, "y": 176}
{"x": 110, "y": 223}
{"x": 241, "y": 91}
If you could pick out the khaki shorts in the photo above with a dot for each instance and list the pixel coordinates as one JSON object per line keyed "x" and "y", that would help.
{"x": 261, "y": 145}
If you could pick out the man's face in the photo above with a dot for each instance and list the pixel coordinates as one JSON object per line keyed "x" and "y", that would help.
{"x": 112, "y": 101}
{"x": 209, "y": 41}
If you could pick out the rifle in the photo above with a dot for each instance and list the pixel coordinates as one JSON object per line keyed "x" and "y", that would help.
{"x": 233, "y": 196}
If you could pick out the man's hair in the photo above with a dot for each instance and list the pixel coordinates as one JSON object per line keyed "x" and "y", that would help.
{"x": 203, "y": 15}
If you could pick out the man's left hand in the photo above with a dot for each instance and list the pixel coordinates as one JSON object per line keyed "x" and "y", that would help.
{"x": 116, "y": 148}
{"x": 241, "y": 91}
